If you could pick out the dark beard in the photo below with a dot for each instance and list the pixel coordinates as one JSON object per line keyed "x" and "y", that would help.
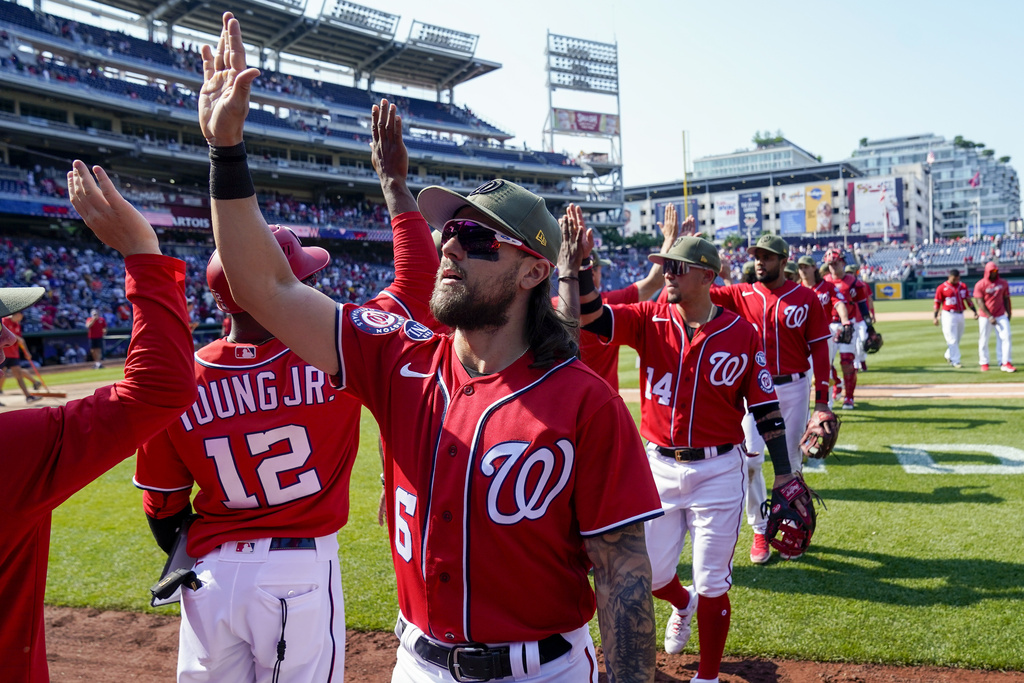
{"x": 466, "y": 309}
{"x": 769, "y": 276}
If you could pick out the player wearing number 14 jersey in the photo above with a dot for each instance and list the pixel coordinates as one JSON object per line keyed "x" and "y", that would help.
{"x": 271, "y": 445}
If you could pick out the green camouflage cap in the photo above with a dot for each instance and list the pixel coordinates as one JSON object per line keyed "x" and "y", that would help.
{"x": 772, "y": 243}
{"x": 806, "y": 261}
{"x": 14, "y": 299}
{"x": 695, "y": 250}
{"x": 519, "y": 212}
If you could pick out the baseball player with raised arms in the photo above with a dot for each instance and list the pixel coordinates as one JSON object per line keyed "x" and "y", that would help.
{"x": 951, "y": 297}
{"x": 794, "y": 334}
{"x": 699, "y": 364}
{"x": 50, "y": 453}
{"x": 845, "y": 284}
{"x": 511, "y": 467}
{"x": 271, "y": 445}
{"x": 604, "y": 358}
{"x": 993, "y": 295}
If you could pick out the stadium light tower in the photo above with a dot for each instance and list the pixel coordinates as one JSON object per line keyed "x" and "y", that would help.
{"x": 576, "y": 64}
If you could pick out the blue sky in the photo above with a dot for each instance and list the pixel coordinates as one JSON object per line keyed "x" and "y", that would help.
{"x": 825, "y": 73}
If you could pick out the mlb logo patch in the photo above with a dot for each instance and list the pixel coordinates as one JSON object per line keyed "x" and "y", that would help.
{"x": 245, "y": 352}
{"x": 245, "y": 547}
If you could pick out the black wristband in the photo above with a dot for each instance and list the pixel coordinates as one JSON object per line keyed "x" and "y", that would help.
{"x": 821, "y": 395}
{"x": 229, "y": 173}
{"x": 586, "y": 282}
{"x": 591, "y": 306}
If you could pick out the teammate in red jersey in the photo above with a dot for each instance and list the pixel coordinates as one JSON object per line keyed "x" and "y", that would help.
{"x": 16, "y": 355}
{"x": 699, "y": 364}
{"x": 951, "y": 297}
{"x": 511, "y": 468}
{"x": 794, "y": 334}
{"x": 865, "y": 326}
{"x": 96, "y": 329}
{"x": 604, "y": 358}
{"x": 993, "y": 295}
{"x": 846, "y": 285}
{"x": 271, "y": 445}
{"x": 50, "y": 453}
{"x": 836, "y": 312}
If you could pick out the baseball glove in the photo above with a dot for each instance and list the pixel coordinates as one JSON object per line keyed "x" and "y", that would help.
{"x": 820, "y": 436}
{"x": 845, "y": 334}
{"x": 791, "y": 516}
{"x": 874, "y": 341}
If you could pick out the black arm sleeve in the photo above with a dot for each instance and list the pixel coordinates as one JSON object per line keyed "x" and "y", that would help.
{"x": 166, "y": 530}
{"x": 768, "y": 418}
{"x": 864, "y": 311}
{"x": 603, "y": 325}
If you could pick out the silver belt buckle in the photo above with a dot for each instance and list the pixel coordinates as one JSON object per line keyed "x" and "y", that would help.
{"x": 455, "y": 669}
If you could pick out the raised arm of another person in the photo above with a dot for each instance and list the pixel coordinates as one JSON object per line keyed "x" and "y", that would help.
{"x": 625, "y": 608}
{"x": 655, "y": 279}
{"x": 50, "y": 453}
{"x": 570, "y": 257}
{"x": 261, "y": 280}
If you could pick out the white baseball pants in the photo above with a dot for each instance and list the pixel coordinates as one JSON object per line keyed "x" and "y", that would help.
{"x": 860, "y": 336}
{"x": 231, "y": 626}
{"x": 953, "y": 330}
{"x": 703, "y": 498}
{"x": 1003, "y": 344}
{"x": 579, "y": 665}
{"x": 794, "y": 403}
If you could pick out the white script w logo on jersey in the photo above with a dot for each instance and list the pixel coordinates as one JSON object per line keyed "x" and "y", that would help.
{"x": 727, "y": 368}
{"x": 522, "y": 487}
{"x": 796, "y": 316}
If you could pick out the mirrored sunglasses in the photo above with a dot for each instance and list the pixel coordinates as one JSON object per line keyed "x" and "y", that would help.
{"x": 676, "y": 268}
{"x": 481, "y": 241}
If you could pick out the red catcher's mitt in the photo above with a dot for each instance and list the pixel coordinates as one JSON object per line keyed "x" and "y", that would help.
{"x": 791, "y": 515}
{"x": 820, "y": 436}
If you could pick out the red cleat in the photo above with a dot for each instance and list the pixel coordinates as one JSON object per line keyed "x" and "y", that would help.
{"x": 1007, "y": 367}
{"x": 984, "y": 367}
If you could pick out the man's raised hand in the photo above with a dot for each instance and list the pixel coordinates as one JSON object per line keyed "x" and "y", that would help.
{"x": 117, "y": 223}
{"x": 224, "y": 97}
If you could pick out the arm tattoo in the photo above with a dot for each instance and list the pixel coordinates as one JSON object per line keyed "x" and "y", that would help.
{"x": 625, "y": 607}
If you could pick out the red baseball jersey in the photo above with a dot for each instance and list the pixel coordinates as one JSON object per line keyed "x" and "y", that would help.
{"x": 788, "y": 319}
{"x": 50, "y": 453}
{"x": 828, "y": 295}
{"x": 493, "y": 481}
{"x": 865, "y": 295}
{"x": 269, "y": 441}
{"x": 717, "y": 370}
{"x": 600, "y": 357}
{"x": 951, "y": 297}
{"x": 96, "y": 327}
{"x": 993, "y": 294}
{"x": 847, "y": 286}
{"x": 14, "y": 350}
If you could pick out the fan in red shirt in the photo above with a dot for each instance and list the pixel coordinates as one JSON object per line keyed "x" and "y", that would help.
{"x": 96, "y": 329}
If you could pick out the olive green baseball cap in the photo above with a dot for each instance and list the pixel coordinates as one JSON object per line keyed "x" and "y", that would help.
{"x": 748, "y": 267}
{"x": 519, "y": 212}
{"x": 695, "y": 250}
{"x": 806, "y": 261}
{"x": 850, "y": 269}
{"x": 791, "y": 268}
{"x": 603, "y": 262}
{"x": 14, "y": 299}
{"x": 772, "y": 243}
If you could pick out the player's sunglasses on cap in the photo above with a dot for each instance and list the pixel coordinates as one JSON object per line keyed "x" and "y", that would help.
{"x": 677, "y": 268}
{"x": 480, "y": 241}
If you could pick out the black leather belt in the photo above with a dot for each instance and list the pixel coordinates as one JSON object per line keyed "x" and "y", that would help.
{"x": 691, "y": 454}
{"x": 478, "y": 662}
{"x": 786, "y": 379}
{"x": 293, "y": 544}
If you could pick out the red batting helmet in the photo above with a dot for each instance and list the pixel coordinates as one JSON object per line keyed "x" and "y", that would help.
{"x": 304, "y": 262}
{"x": 833, "y": 255}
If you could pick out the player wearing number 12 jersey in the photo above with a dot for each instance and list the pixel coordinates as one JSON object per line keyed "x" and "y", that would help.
{"x": 271, "y": 445}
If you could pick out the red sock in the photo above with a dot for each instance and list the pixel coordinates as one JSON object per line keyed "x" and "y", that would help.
{"x": 713, "y": 618}
{"x": 849, "y": 383}
{"x": 674, "y": 594}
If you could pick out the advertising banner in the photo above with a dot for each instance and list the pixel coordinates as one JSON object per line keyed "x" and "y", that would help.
{"x": 751, "y": 213}
{"x": 585, "y": 121}
{"x": 888, "y": 290}
{"x": 727, "y": 215}
{"x": 993, "y": 228}
{"x": 791, "y": 211}
{"x": 876, "y": 205}
{"x": 631, "y": 217}
{"x": 818, "y": 202}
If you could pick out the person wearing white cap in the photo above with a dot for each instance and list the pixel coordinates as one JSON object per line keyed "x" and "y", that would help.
{"x": 50, "y": 453}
